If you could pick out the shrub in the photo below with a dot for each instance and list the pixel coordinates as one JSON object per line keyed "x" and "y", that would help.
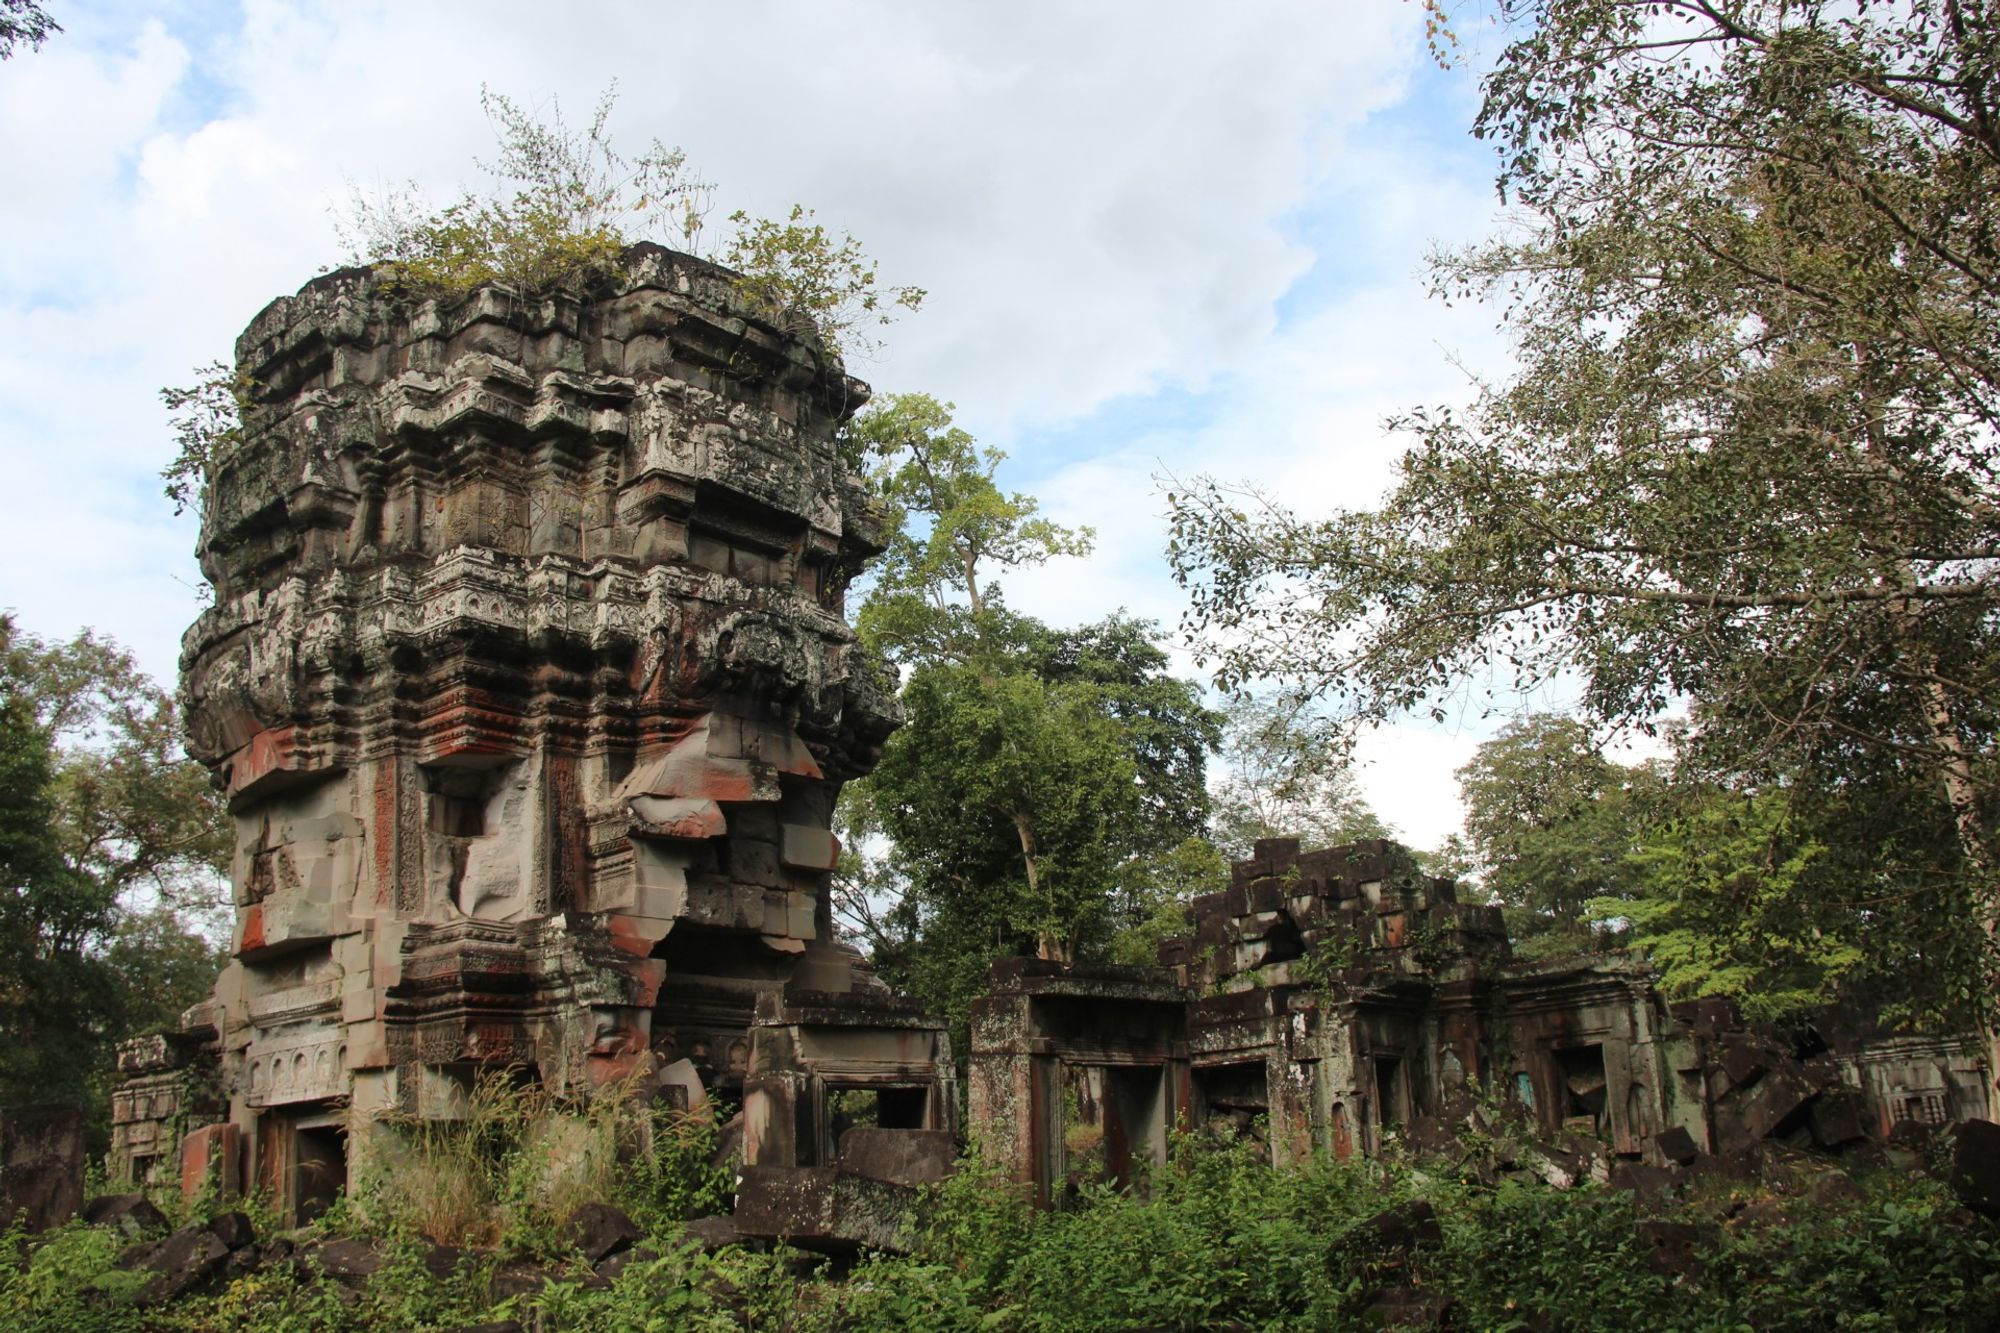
{"x": 64, "y": 1282}
{"x": 506, "y": 1173}
{"x": 1213, "y": 1236}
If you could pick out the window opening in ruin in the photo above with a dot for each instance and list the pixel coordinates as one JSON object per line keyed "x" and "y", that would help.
{"x": 457, "y": 802}
{"x": 866, "y": 1107}
{"x": 1134, "y": 1126}
{"x": 319, "y": 1170}
{"x": 1524, "y": 1089}
{"x": 1584, "y": 1100}
{"x": 1925, "y": 1109}
{"x": 1388, "y": 1091}
{"x": 1235, "y": 1099}
{"x": 1113, "y": 1117}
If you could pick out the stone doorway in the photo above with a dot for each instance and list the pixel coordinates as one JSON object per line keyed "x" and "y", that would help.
{"x": 302, "y": 1161}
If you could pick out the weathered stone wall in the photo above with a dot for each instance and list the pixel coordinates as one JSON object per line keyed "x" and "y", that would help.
{"x": 1331, "y": 1001}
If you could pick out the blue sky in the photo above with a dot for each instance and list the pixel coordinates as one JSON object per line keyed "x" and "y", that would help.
{"x": 1160, "y": 238}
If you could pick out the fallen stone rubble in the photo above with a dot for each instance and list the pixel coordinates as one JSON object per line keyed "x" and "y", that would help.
{"x": 1685, "y": 1206}
{"x": 204, "y": 1257}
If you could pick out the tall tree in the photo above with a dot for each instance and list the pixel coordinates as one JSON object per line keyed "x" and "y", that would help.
{"x": 1283, "y": 776}
{"x": 1017, "y": 792}
{"x": 53, "y": 1001}
{"x": 132, "y": 811}
{"x": 111, "y": 846}
{"x": 933, "y": 595}
{"x": 1749, "y": 456}
{"x": 1042, "y": 772}
{"x": 1552, "y": 825}
{"x": 1723, "y": 898}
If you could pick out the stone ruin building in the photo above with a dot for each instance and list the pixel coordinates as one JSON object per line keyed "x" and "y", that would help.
{"x": 528, "y": 682}
{"x": 1328, "y": 1000}
{"x": 527, "y": 679}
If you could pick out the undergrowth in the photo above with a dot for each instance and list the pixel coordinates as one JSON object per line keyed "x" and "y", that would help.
{"x": 1214, "y": 1236}
{"x": 510, "y": 1170}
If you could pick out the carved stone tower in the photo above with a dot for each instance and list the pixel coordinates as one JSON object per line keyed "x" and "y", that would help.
{"x": 528, "y": 681}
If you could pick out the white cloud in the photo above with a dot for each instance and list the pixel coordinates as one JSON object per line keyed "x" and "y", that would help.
{"x": 1106, "y": 201}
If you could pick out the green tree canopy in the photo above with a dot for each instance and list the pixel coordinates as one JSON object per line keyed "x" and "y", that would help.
{"x": 1283, "y": 776}
{"x": 1748, "y": 460}
{"x": 1046, "y": 801}
{"x": 955, "y": 531}
{"x": 1552, "y": 826}
{"x": 111, "y": 844}
{"x": 1013, "y": 790}
{"x": 1047, "y": 780}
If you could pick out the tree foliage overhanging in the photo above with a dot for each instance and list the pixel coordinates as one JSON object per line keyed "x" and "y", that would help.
{"x": 1780, "y": 896}
{"x": 23, "y": 22}
{"x": 112, "y": 845}
{"x": 1748, "y": 461}
{"x": 1044, "y": 792}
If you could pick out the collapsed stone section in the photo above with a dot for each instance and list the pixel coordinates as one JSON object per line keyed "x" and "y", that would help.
{"x": 1340, "y": 1000}
{"x": 528, "y": 682}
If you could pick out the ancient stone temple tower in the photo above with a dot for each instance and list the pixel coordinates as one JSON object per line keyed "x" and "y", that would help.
{"x": 528, "y": 682}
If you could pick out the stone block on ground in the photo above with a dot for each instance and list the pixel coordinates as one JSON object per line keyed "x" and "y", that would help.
{"x": 1750, "y": 1114}
{"x": 1838, "y": 1117}
{"x": 1724, "y": 1169}
{"x": 1745, "y": 1060}
{"x": 349, "y": 1262}
{"x": 1835, "y": 1189}
{"x": 1430, "y": 1135}
{"x": 612, "y": 1265}
{"x": 820, "y": 1208}
{"x": 1647, "y": 1183}
{"x": 1676, "y": 1145}
{"x": 1909, "y": 1144}
{"x": 132, "y": 1215}
{"x": 599, "y": 1231}
{"x": 41, "y": 1165}
{"x": 709, "y": 1234}
{"x": 899, "y": 1156}
{"x": 180, "y": 1264}
{"x": 517, "y": 1281}
{"x": 233, "y": 1229}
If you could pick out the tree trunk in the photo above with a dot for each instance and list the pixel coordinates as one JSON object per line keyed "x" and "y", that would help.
{"x": 1048, "y": 945}
{"x": 1961, "y": 793}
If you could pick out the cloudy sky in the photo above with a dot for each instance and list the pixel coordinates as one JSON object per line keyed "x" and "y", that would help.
{"x": 1159, "y": 238}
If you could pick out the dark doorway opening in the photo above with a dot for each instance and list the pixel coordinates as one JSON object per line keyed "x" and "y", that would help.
{"x": 1584, "y": 1100}
{"x": 1388, "y": 1091}
{"x": 319, "y": 1170}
